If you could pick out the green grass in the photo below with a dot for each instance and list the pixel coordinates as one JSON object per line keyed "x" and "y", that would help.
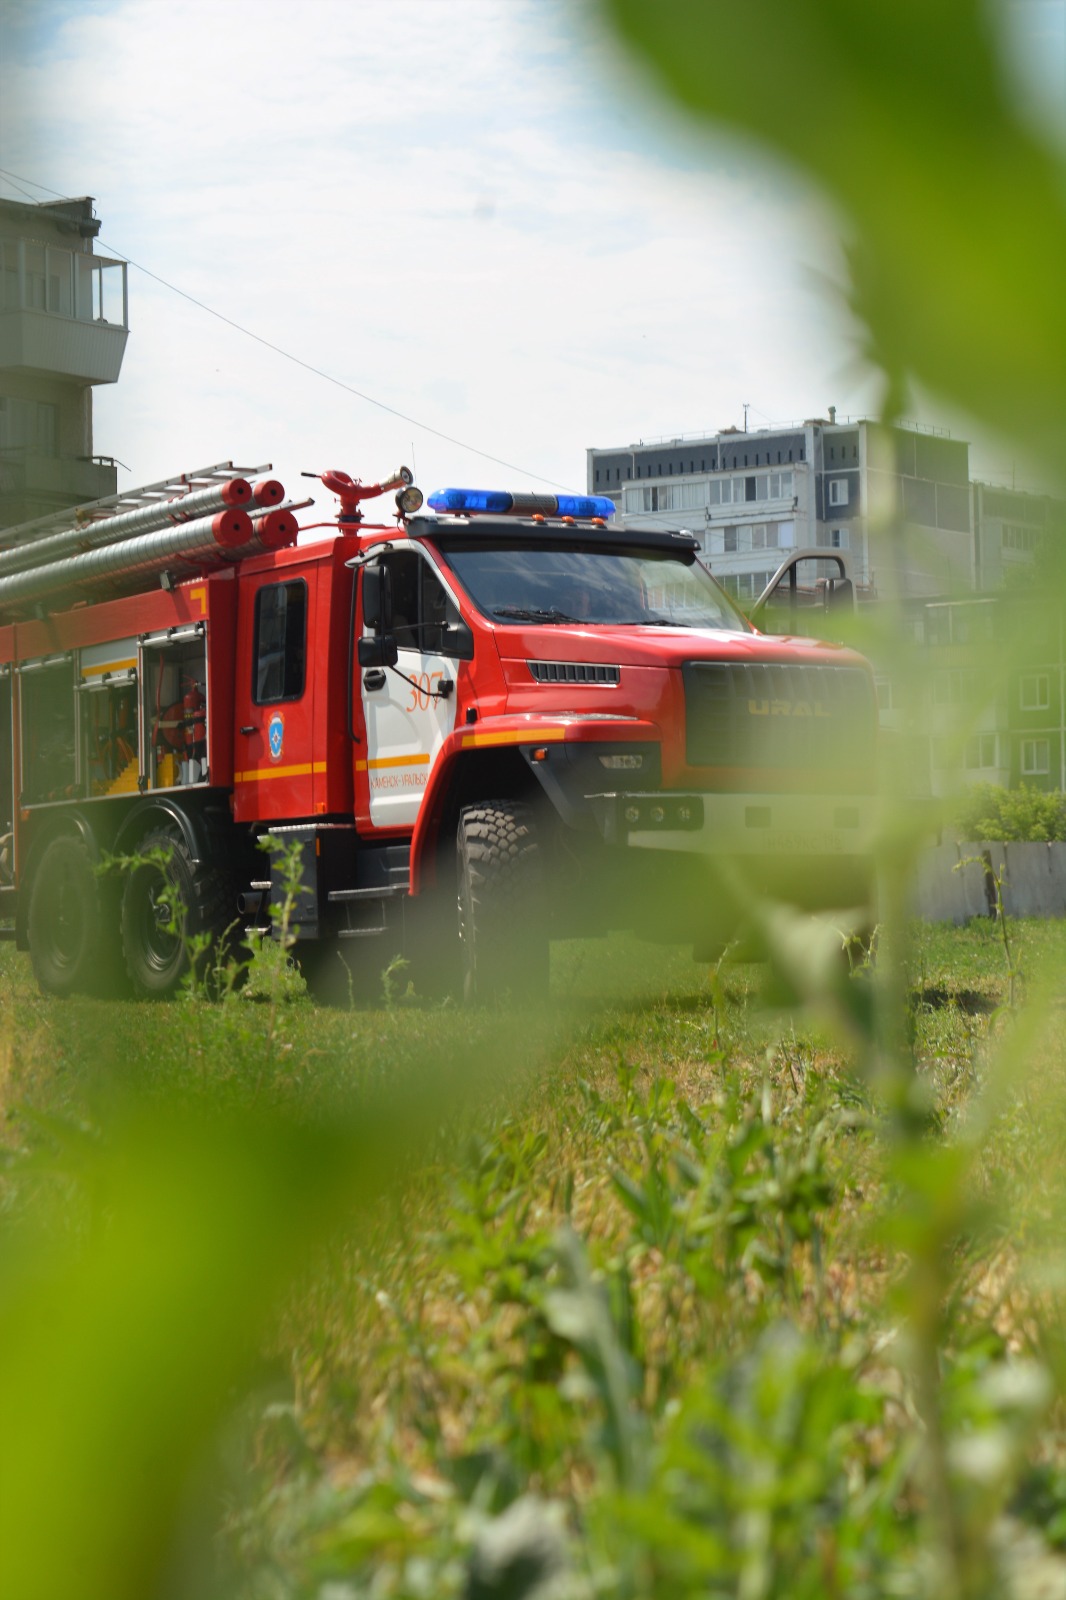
{"x": 631, "y": 1275}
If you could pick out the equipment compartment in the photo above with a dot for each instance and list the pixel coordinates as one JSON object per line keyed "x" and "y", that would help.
{"x": 47, "y": 716}
{"x": 174, "y": 708}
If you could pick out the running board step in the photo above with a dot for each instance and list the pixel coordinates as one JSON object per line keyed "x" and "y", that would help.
{"x": 386, "y": 891}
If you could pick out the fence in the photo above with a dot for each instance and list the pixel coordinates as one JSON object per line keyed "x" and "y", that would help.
{"x": 1033, "y": 878}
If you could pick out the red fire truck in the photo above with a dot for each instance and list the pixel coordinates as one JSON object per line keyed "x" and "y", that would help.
{"x": 486, "y": 723}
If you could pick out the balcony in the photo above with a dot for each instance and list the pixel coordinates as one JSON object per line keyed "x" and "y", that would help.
{"x": 40, "y": 341}
{"x": 62, "y": 312}
{"x": 34, "y": 486}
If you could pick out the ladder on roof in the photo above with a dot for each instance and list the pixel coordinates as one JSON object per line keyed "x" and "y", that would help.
{"x": 114, "y": 504}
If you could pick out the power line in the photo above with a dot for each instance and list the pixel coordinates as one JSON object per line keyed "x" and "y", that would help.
{"x": 17, "y": 183}
{"x": 287, "y": 355}
{"x": 328, "y": 376}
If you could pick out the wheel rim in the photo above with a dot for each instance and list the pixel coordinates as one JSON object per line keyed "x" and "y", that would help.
{"x": 160, "y": 947}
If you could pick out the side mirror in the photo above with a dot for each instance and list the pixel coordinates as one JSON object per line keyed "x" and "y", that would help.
{"x": 378, "y": 650}
{"x": 840, "y": 592}
{"x": 377, "y": 598}
{"x": 457, "y": 641}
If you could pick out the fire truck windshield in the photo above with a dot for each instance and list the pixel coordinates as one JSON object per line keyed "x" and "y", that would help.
{"x": 516, "y": 583}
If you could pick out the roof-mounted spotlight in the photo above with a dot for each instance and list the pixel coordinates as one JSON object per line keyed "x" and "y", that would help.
{"x": 408, "y": 501}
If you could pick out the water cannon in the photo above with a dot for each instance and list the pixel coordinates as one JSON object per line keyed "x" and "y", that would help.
{"x": 352, "y": 491}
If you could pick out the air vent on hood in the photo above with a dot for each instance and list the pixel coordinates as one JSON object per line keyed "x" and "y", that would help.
{"x": 574, "y": 672}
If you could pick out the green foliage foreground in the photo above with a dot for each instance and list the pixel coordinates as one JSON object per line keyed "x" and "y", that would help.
{"x": 300, "y": 1304}
{"x": 647, "y": 1299}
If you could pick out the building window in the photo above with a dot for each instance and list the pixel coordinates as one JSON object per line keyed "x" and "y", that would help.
{"x": 30, "y": 427}
{"x": 838, "y": 539}
{"x": 1017, "y": 537}
{"x": 885, "y": 697}
{"x": 1034, "y": 757}
{"x": 1035, "y": 692}
{"x": 764, "y": 536}
{"x": 982, "y": 752}
{"x": 838, "y": 491}
{"x": 954, "y": 687}
{"x": 729, "y": 541}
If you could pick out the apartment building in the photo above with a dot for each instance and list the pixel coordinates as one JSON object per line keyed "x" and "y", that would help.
{"x": 897, "y": 499}
{"x": 63, "y": 330}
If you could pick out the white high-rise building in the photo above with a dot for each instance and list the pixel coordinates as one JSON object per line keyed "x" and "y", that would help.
{"x": 897, "y": 499}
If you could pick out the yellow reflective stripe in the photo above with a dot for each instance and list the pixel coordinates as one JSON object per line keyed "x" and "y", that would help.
{"x": 399, "y": 761}
{"x": 98, "y": 669}
{"x": 257, "y": 774}
{"x": 526, "y": 736}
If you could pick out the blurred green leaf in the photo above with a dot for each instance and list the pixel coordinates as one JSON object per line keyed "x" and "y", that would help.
{"x": 954, "y": 211}
{"x": 125, "y": 1343}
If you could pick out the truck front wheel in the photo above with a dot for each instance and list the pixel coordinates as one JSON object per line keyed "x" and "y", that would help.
{"x": 503, "y": 931}
{"x": 176, "y": 915}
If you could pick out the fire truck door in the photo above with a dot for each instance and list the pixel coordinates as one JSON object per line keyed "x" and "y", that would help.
{"x": 409, "y": 708}
{"x": 274, "y": 769}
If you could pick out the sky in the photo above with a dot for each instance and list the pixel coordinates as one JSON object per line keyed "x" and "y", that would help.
{"x": 465, "y": 215}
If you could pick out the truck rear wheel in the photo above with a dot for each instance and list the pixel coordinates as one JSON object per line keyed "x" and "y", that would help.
{"x": 68, "y": 942}
{"x": 503, "y": 935}
{"x": 168, "y": 908}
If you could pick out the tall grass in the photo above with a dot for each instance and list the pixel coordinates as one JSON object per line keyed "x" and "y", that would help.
{"x": 636, "y": 1313}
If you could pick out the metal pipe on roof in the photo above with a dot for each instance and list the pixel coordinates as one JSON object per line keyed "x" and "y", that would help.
{"x": 236, "y": 493}
{"x": 222, "y": 538}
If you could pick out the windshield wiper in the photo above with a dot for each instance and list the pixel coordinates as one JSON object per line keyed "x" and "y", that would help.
{"x": 533, "y": 614}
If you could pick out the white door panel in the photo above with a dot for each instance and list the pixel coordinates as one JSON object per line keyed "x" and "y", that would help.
{"x": 406, "y": 724}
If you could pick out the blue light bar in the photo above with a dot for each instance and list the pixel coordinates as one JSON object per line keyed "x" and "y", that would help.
{"x": 471, "y": 502}
{"x": 584, "y": 505}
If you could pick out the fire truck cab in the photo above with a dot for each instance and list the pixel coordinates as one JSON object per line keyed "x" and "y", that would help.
{"x": 491, "y": 722}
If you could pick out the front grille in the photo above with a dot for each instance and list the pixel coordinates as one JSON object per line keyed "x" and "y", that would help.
{"x": 573, "y": 672}
{"x": 778, "y": 715}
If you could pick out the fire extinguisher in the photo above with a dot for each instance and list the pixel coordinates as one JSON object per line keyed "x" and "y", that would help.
{"x": 193, "y": 707}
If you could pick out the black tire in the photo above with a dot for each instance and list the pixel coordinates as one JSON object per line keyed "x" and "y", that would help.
{"x": 68, "y": 940}
{"x": 165, "y": 907}
{"x": 503, "y": 932}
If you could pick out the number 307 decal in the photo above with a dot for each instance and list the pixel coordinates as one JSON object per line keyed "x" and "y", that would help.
{"x": 423, "y": 690}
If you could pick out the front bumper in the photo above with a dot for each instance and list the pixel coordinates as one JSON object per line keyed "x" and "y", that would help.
{"x": 775, "y": 826}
